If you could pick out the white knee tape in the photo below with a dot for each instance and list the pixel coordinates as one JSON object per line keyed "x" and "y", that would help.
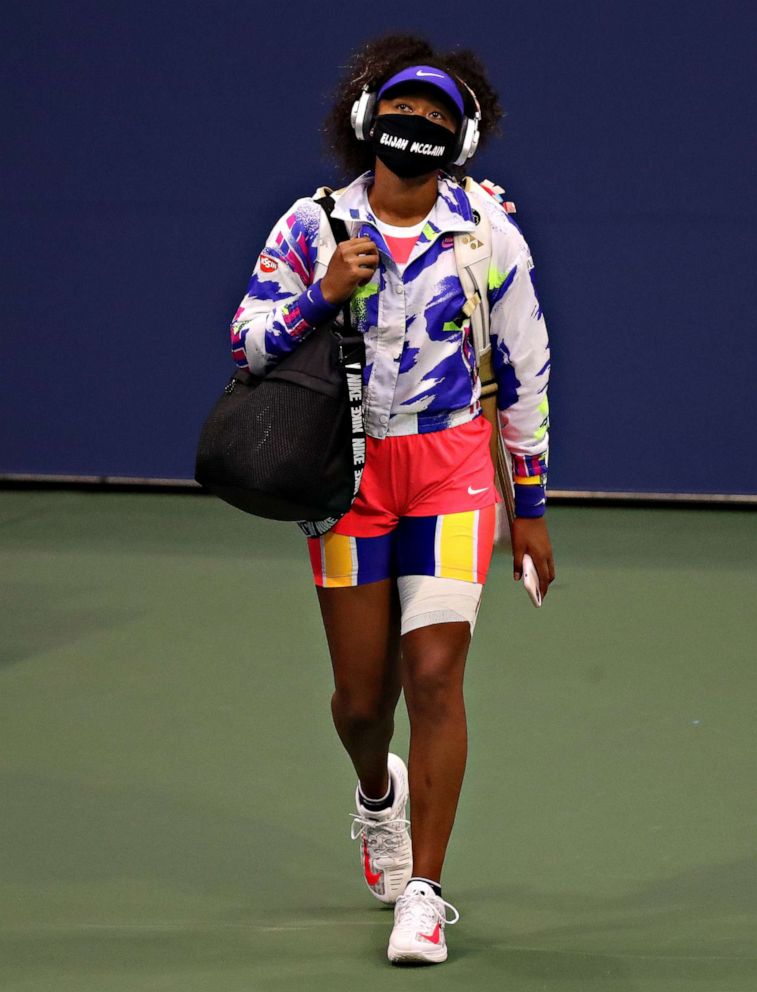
{"x": 427, "y": 599}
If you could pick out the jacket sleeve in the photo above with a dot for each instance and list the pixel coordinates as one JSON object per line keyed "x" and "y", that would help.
{"x": 283, "y": 303}
{"x": 520, "y": 354}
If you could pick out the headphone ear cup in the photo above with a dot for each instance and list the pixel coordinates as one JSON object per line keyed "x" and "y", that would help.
{"x": 475, "y": 136}
{"x": 460, "y": 142}
{"x": 467, "y": 142}
{"x": 362, "y": 114}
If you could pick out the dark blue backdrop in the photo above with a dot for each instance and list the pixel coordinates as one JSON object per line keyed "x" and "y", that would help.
{"x": 150, "y": 147}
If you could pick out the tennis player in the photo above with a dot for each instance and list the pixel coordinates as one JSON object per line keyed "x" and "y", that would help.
{"x": 400, "y": 577}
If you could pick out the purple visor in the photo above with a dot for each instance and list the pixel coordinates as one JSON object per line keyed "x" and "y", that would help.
{"x": 429, "y": 75}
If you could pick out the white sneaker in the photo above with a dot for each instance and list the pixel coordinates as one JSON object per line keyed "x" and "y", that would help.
{"x": 386, "y": 853}
{"x": 419, "y": 921}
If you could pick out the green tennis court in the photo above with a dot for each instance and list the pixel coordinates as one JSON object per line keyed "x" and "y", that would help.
{"x": 175, "y": 800}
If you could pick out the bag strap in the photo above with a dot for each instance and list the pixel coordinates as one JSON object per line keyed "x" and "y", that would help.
{"x": 352, "y": 361}
{"x": 473, "y": 254}
{"x": 473, "y": 250}
{"x": 340, "y": 233}
{"x": 327, "y": 203}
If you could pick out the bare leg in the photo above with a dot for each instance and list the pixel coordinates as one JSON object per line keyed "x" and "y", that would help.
{"x": 362, "y": 629}
{"x": 433, "y": 664}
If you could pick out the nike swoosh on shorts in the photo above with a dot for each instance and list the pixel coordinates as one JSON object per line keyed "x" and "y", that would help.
{"x": 475, "y": 492}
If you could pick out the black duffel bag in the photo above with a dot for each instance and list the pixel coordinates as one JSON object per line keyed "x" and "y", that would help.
{"x": 290, "y": 445}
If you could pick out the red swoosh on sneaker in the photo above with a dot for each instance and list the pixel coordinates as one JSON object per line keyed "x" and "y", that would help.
{"x": 432, "y": 937}
{"x": 372, "y": 878}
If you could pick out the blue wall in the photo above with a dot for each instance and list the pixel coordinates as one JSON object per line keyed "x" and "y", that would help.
{"x": 152, "y": 146}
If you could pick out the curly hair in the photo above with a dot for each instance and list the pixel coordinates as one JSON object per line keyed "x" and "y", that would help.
{"x": 376, "y": 62}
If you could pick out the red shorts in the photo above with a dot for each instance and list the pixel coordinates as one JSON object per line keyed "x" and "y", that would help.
{"x": 422, "y": 475}
{"x": 426, "y": 506}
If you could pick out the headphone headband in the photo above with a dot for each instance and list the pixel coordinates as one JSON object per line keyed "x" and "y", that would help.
{"x": 473, "y": 95}
{"x": 470, "y": 131}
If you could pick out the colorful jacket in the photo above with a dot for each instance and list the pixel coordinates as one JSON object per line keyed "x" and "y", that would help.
{"x": 420, "y": 372}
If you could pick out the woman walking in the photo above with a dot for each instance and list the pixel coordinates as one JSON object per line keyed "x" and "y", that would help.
{"x": 399, "y": 578}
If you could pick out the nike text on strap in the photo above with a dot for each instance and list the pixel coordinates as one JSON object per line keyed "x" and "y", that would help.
{"x": 353, "y": 370}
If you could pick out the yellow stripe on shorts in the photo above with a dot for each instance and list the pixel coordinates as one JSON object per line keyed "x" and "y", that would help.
{"x": 456, "y": 546}
{"x": 339, "y": 559}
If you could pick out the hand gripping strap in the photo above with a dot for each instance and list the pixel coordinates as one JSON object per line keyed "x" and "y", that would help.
{"x": 352, "y": 360}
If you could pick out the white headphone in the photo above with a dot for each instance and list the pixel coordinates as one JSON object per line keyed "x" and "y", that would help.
{"x": 468, "y": 135}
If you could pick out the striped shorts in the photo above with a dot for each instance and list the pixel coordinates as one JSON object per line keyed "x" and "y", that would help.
{"x": 426, "y": 506}
{"x": 450, "y": 545}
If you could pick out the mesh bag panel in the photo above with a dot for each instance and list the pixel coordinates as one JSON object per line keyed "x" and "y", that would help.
{"x": 284, "y": 441}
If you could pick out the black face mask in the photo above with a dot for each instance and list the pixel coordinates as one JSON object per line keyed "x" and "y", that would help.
{"x": 411, "y": 145}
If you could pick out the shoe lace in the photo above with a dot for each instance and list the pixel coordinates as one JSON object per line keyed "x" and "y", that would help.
{"x": 383, "y": 836}
{"x": 426, "y": 911}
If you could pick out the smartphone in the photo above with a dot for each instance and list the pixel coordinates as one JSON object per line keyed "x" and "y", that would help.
{"x": 531, "y": 580}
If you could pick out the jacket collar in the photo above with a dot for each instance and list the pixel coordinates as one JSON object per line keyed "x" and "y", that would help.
{"x": 451, "y": 212}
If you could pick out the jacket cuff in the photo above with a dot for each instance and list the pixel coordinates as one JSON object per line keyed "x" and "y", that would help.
{"x": 314, "y": 308}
